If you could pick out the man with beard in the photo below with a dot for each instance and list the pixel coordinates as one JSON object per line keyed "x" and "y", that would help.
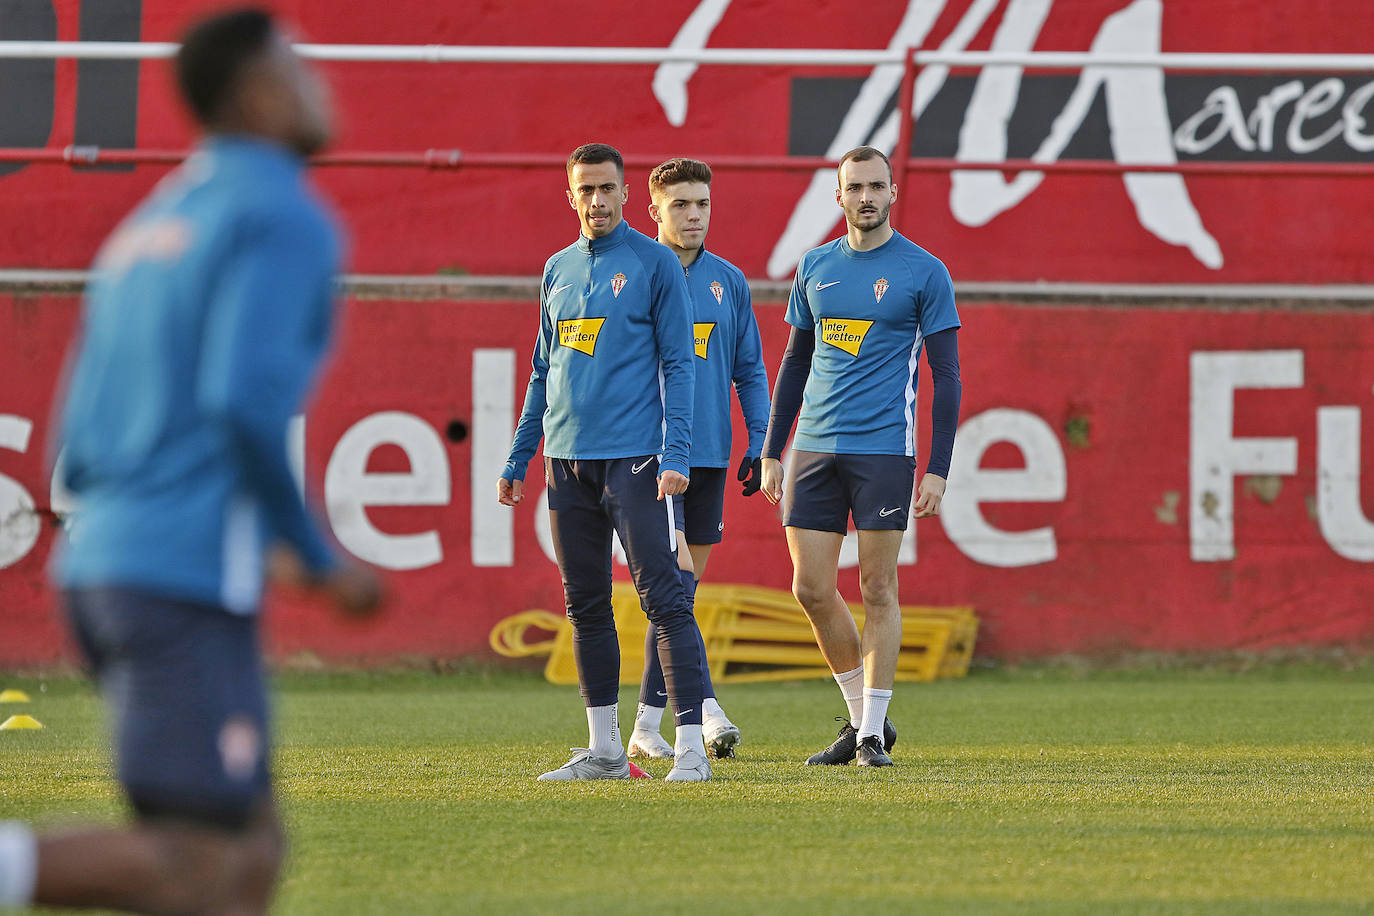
{"x": 862, "y": 308}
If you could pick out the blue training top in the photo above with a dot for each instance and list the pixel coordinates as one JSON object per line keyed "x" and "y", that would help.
{"x": 206, "y": 319}
{"x": 613, "y": 374}
{"x": 728, "y": 351}
{"x": 870, "y": 311}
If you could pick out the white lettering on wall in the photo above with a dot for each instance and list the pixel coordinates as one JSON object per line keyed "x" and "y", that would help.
{"x": 670, "y": 79}
{"x": 816, "y": 212}
{"x": 1266, "y": 113}
{"x": 1140, "y": 133}
{"x": 18, "y": 521}
{"x": 349, "y": 488}
{"x": 1352, "y": 115}
{"x": 1342, "y": 522}
{"x": 493, "y": 419}
{"x": 1198, "y": 134}
{"x": 1223, "y": 104}
{"x": 1043, "y": 479}
{"x": 1216, "y": 456}
{"x": 1137, "y": 113}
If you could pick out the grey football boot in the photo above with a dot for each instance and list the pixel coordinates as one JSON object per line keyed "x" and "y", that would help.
{"x": 584, "y": 766}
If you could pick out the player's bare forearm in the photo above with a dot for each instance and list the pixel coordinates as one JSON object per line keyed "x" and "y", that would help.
{"x": 929, "y": 495}
{"x": 772, "y": 480}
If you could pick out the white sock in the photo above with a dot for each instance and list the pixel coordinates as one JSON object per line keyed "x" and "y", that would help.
{"x": 875, "y": 710}
{"x": 852, "y": 686}
{"x": 649, "y": 718}
{"x": 710, "y": 709}
{"x": 603, "y": 723}
{"x": 18, "y": 864}
{"x": 689, "y": 736}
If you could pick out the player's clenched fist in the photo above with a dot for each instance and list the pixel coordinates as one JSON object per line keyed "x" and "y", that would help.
{"x": 509, "y": 492}
{"x": 928, "y": 496}
{"x": 772, "y": 480}
{"x": 671, "y": 483}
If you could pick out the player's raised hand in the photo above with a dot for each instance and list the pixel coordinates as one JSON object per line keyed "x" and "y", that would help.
{"x": 671, "y": 483}
{"x": 509, "y": 492}
{"x": 770, "y": 475}
{"x": 751, "y": 475}
{"x": 928, "y": 496}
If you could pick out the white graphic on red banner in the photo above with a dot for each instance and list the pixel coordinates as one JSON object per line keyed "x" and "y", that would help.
{"x": 1136, "y": 109}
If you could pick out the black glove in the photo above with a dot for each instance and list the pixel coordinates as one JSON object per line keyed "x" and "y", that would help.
{"x": 751, "y": 475}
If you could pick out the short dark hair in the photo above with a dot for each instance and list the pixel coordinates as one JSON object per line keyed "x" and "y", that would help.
{"x": 594, "y": 154}
{"x": 863, "y": 154}
{"x": 213, "y": 54}
{"x": 676, "y": 171}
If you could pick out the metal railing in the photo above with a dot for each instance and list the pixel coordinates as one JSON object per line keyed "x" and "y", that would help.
{"x": 911, "y": 60}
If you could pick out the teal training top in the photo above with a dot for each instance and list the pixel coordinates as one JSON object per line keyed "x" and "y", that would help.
{"x": 613, "y": 373}
{"x": 870, "y": 311}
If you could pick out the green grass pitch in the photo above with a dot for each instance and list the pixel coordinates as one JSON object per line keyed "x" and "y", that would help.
{"x": 1025, "y": 791}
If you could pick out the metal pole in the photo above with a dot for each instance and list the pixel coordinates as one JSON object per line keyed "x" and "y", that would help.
{"x": 906, "y": 125}
{"x": 452, "y": 159}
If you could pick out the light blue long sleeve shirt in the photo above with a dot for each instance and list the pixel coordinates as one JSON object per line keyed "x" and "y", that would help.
{"x": 729, "y": 352}
{"x": 612, "y": 370}
{"x": 207, "y": 318}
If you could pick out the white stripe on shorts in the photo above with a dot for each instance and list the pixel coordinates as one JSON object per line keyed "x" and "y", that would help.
{"x": 672, "y": 524}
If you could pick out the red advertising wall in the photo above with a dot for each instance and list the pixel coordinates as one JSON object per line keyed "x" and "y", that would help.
{"x": 1125, "y": 478}
{"x": 986, "y": 226}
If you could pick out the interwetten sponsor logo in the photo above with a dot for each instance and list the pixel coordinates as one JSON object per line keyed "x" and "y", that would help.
{"x": 846, "y": 334}
{"x": 580, "y": 334}
{"x": 701, "y": 333}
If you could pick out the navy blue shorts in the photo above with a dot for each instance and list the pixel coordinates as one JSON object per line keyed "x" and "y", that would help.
{"x": 824, "y": 490}
{"x": 700, "y": 512}
{"x": 185, "y": 684}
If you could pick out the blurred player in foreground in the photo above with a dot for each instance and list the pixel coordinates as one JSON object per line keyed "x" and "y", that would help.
{"x": 611, "y": 393}
{"x": 862, "y": 309}
{"x": 728, "y": 352}
{"x": 206, "y": 320}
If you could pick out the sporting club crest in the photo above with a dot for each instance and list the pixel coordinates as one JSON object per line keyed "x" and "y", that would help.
{"x": 879, "y": 289}
{"x": 717, "y": 290}
{"x": 617, "y": 284}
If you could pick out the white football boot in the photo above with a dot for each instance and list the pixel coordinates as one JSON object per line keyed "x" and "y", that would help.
{"x": 690, "y": 766}
{"x": 649, "y": 744}
{"x": 721, "y": 736}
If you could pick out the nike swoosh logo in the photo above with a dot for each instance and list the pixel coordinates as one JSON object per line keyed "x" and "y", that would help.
{"x": 821, "y": 286}
{"x": 663, "y": 693}
{"x": 636, "y": 468}
{"x": 560, "y": 289}
{"x": 884, "y": 513}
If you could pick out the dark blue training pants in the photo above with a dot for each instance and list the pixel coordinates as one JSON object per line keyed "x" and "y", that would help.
{"x": 588, "y": 499}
